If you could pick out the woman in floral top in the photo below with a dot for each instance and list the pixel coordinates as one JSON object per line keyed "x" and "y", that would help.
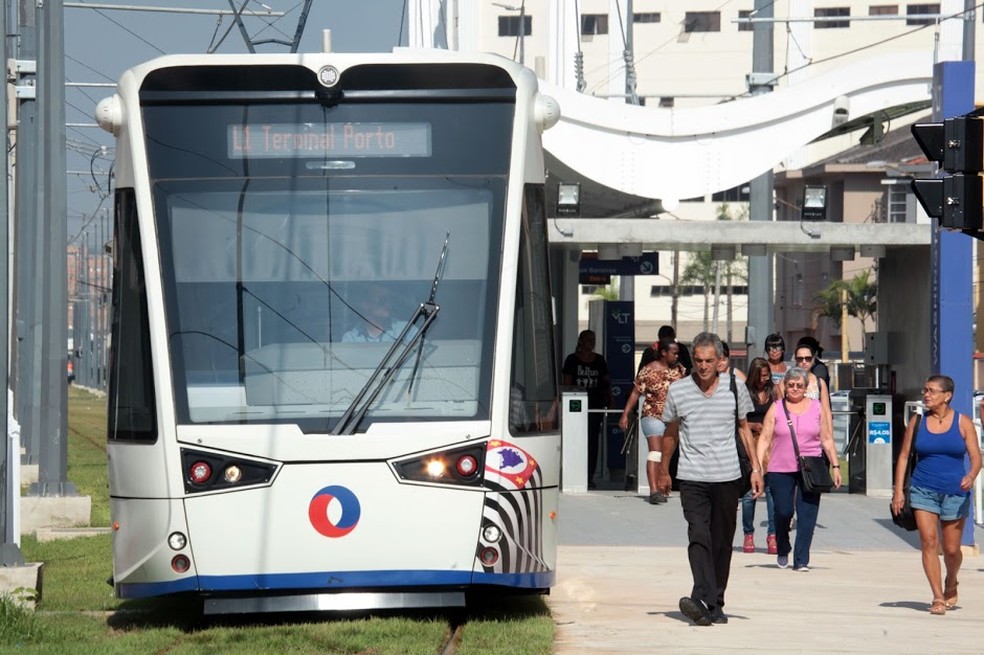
{"x": 652, "y": 382}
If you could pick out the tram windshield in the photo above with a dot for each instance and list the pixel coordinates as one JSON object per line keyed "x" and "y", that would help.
{"x": 292, "y": 267}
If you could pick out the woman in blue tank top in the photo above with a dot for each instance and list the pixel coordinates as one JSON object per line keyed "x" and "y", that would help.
{"x": 939, "y": 490}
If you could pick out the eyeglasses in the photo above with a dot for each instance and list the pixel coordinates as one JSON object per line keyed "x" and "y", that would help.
{"x": 795, "y": 385}
{"x": 804, "y": 359}
{"x": 931, "y": 390}
{"x": 775, "y": 346}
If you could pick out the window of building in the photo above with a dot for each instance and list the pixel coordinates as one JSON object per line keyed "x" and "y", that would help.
{"x": 646, "y": 17}
{"x": 509, "y": 26}
{"x": 592, "y": 24}
{"x": 831, "y": 12}
{"x": 898, "y": 202}
{"x": 666, "y": 101}
{"x": 734, "y": 194}
{"x": 883, "y": 10}
{"x": 744, "y": 27}
{"x": 921, "y": 10}
{"x": 702, "y": 21}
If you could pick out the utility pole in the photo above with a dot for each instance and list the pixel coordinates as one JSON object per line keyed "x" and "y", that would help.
{"x": 27, "y": 357}
{"x": 10, "y": 554}
{"x": 53, "y": 461}
{"x": 760, "y": 300}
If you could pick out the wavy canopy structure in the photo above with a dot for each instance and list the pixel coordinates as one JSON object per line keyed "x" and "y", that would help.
{"x": 672, "y": 154}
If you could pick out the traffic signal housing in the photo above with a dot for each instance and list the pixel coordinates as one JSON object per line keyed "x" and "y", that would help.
{"x": 957, "y": 145}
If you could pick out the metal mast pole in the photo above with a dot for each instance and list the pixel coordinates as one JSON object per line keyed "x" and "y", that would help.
{"x": 27, "y": 358}
{"x": 760, "y": 300}
{"x": 53, "y": 463}
{"x": 10, "y": 554}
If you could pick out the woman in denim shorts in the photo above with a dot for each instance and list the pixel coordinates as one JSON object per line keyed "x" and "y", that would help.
{"x": 652, "y": 382}
{"x": 939, "y": 490}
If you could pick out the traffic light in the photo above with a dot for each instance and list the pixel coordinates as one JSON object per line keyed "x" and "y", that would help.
{"x": 957, "y": 144}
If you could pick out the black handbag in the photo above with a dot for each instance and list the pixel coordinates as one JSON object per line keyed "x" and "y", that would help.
{"x": 906, "y": 518}
{"x": 814, "y": 469}
{"x": 744, "y": 462}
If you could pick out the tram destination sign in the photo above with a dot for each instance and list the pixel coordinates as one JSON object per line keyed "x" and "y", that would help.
{"x": 311, "y": 140}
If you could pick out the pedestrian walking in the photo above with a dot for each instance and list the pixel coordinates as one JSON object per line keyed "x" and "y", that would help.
{"x": 804, "y": 419}
{"x": 652, "y": 383}
{"x": 708, "y": 414}
{"x": 939, "y": 489}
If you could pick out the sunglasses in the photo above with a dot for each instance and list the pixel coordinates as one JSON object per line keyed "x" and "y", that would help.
{"x": 795, "y": 385}
{"x": 775, "y": 346}
{"x": 804, "y": 359}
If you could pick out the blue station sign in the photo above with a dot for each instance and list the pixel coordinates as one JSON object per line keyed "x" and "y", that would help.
{"x": 647, "y": 264}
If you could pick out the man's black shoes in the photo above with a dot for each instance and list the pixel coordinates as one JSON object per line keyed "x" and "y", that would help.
{"x": 718, "y": 616}
{"x": 695, "y": 611}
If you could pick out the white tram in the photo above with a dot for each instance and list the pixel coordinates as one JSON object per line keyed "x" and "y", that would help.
{"x": 333, "y": 380}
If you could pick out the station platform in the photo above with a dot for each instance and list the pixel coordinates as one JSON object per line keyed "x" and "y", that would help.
{"x": 622, "y": 567}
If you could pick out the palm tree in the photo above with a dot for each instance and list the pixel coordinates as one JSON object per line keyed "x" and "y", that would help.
{"x": 702, "y": 270}
{"x": 859, "y": 296}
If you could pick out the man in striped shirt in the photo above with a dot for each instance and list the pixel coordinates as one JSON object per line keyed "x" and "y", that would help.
{"x": 704, "y": 406}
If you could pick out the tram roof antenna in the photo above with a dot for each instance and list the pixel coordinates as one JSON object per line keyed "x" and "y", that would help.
{"x": 251, "y": 43}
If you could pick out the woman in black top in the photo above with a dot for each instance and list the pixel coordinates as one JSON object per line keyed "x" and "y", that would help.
{"x": 762, "y": 391}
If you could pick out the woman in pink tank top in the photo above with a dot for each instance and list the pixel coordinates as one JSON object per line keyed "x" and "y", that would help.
{"x": 809, "y": 420}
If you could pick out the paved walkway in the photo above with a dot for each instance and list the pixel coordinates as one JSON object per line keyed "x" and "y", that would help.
{"x": 622, "y": 567}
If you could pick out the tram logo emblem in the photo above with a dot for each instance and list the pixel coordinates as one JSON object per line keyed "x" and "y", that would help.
{"x": 318, "y": 511}
{"x": 508, "y": 464}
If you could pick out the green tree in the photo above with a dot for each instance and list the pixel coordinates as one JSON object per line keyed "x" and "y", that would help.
{"x": 859, "y": 295}
{"x": 608, "y": 292}
{"x": 702, "y": 270}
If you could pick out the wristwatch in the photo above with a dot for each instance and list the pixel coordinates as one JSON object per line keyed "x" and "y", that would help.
{"x": 836, "y": 466}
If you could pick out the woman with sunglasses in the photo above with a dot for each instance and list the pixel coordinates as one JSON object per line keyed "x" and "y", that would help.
{"x": 816, "y": 388}
{"x": 775, "y": 354}
{"x": 939, "y": 489}
{"x": 806, "y": 420}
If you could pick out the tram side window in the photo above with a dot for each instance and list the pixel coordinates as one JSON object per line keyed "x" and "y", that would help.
{"x": 131, "y": 386}
{"x": 533, "y": 386}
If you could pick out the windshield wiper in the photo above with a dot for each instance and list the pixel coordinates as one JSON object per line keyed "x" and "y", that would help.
{"x": 397, "y": 354}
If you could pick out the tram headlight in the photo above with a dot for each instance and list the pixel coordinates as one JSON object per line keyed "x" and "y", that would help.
{"x": 232, "y": 474}
{"x": 177, "y": 541}
{"x": 492, "y": 533}
{"x": 489, "y": 556}
{"x": 435, "y": 468}
{"x": 456, "y": 466}
{"x": 180, "y": 563}
{"x": 200, "y": 472}
{"x": 207, "y": 471}
{"x": 466, "y": 466}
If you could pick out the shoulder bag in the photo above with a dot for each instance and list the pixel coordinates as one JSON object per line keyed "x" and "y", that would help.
{"x": 814, "y": 469}
{"x": 906, "y": 518}
{"x": 744, "y": 462}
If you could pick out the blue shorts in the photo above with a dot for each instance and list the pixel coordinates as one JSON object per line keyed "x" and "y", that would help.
{"x": 653, "y": 427}
{"x": 949, "y": 507}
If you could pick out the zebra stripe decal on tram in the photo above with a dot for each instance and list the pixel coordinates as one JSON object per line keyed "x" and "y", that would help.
{"x": 515, "y": 507}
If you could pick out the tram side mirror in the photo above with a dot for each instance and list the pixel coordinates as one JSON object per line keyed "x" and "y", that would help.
{"x": 108, "y": 247}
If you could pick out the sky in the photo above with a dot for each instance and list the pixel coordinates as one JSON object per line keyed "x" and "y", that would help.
{"x": 101, "y": 43}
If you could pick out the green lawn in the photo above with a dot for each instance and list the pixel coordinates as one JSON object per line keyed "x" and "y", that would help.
{"x": 79, "y": 613}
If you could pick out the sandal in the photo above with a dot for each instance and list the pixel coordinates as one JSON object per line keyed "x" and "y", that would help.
{"x": 938, "y": 607}
{"x": 950, "y": 596}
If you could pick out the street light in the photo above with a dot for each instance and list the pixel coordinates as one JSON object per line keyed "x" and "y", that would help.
{"x": 814, "y": 203}
{"x": 569, "y": 199}
{"x": 522, "y": 26}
